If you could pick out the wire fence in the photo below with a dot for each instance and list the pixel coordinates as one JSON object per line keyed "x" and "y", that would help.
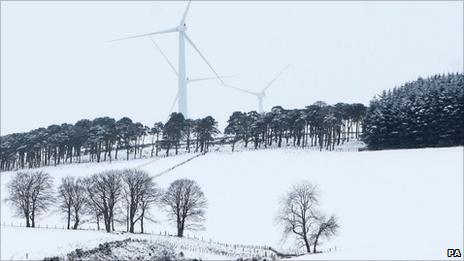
{"x": 196, "y": 244}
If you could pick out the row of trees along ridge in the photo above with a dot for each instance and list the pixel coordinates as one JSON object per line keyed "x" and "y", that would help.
{"x": 105, "y": 138}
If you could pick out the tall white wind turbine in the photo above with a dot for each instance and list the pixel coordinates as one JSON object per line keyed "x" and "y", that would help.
{"x": 189, "y": 80}
{"x": 182, "y": 83}
{"x": 261, "y": 94}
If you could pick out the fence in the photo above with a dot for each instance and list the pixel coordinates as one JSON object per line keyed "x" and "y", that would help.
{"x": 190, "y": 243}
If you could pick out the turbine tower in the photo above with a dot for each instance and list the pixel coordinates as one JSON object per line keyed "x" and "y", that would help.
{"x": 182, "y": 79}
{"x": 260, "y": 95}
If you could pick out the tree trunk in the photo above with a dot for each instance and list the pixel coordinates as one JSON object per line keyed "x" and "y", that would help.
{"x": 32, "y": 220}
{"x": 127, "y": 219}
{"x": 69, "y": 217}
{"x": 157, "y": 144}
{"x": 180, "y": 232}
{"x": 116, "y": 150}
{"x": 315, "y": 241}
{"x": 107, "y": 221}
{"x": 127, "y": 150}
{"x": 141, "y": 224}
{"x": 28, "y": 224}
{"x": 308, "y": 247}
{"x": 131, "y": 228}
{"x": 152, "y": 148}
{"x": 76, "y": 220}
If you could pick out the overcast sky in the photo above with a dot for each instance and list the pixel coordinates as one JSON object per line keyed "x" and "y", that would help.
{"x": 57, "y": 64}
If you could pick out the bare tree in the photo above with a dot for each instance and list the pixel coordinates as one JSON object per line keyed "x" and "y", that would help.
{"x": 104, "y": 191}
{"x": 93, "y": 211}
{"x": 31, "y": 193}
{"x": 72, "y": 199}
{"x": 186, "y": 205}
{"x": 326, "y": 229}
{"x": 79, "y": 202}
{"x": 297, "y": 212}
{"x": 66, "y": 197}
{"x": 139, "y": 189}
{"x": 151, "y": 197}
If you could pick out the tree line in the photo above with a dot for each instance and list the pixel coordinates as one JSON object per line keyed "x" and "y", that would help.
{"x": 423, "y": 113}
{"x": 103, "y": 138}
{"x": 115, "y": 196}
{"x": 319, "y": 124}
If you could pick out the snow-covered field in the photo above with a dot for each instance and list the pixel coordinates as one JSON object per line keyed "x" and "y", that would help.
{"x": 36, "y": 243}
{"x": 398, "y": 204}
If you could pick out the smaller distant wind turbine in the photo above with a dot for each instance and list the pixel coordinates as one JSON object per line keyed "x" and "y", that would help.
{"x": 260, "y": 95}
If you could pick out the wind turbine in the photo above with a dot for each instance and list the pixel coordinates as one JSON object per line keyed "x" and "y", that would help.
{"x": 181, "y": 72}
{"x": 261, "y": 94}
{"x": 177, "y": 74}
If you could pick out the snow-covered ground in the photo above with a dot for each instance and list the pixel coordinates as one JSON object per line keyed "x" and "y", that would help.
{"x": 397, "y": 204}
{"x": 36, "y": 243}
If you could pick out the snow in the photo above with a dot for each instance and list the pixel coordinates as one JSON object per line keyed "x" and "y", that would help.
{"x": 396, "y": 204}
{"x": 36, "y": 243}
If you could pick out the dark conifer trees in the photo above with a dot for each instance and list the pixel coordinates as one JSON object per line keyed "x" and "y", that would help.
{"x": 424, "y": 113}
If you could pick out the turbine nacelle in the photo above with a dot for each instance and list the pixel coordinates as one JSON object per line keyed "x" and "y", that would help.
{"x": 181, "y": 28}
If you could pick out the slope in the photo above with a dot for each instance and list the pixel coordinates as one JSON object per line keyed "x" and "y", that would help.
{"x": 390, "y": 204}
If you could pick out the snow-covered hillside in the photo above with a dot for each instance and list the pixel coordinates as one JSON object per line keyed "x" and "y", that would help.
{"x": 24, "y": 243}
{"x": 390, "y": 204}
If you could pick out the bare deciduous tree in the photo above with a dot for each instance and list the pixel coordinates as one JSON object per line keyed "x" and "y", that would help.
{"x": 139, "y": 191}
{"x": 72, "y": 198}
{"x": 151, "y": 196}
{"x": 186, "y": 205}
{"x": 104, "y": 191}
{"x": 297, "y": 212}
{"x": 93, "y": 211}
{"x": 80, "y": 200}
{"x": 31, "y": 193}
{"x": 326, "y": 228}
{"x": 65, "y": 197}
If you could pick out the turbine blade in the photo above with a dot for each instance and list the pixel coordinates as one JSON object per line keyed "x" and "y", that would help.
{"x": 143, "y": 35}
{"x": 209, "y": 78}
{"x": 182, "y": 22}
{"x": 204, "y": 59}
{"x": 165, "y": 57}
{"x": 242, "y": 90}
{"x": 275, "y": 78}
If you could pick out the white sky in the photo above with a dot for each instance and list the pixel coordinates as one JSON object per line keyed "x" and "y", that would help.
{"x": 57, "y": 65}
